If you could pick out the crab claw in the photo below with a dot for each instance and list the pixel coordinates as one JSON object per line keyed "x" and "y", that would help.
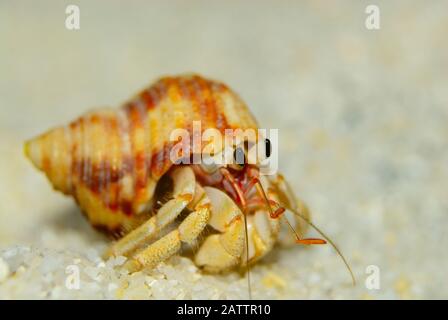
{"x": 222, "y": 251}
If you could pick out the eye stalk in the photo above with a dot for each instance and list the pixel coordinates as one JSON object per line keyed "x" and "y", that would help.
{"x": 239, "y": 158}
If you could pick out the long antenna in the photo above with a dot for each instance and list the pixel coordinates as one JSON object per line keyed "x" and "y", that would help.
{"x": 301, "y": 216}
{"x": 335, "y": 247}
{"x": 247, "y": 257}
{"x": 309, "y": 241}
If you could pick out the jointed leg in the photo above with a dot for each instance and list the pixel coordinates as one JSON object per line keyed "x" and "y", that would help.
{"x": 170, "y": 244}
{"x": 262, "y": 231}
{"x": 299, "y": 225}
{"x": 224, "y": 250}
{"x": 183, "y": 193}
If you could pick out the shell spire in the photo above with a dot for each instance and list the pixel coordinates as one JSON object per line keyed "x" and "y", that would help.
{"x": 49, "y": 153}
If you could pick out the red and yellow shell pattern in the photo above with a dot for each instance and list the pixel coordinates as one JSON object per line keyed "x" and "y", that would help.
{"x": 111, "y": 159}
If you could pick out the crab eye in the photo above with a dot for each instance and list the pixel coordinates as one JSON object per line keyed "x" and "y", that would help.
{"x": 268, "y": 149}
{"x": 239, "y": 159}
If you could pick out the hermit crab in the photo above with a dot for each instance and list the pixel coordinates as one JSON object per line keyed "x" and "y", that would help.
{"x": 117, "y": 164}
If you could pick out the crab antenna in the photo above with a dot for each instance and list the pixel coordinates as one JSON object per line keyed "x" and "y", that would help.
{"x": 311, "y": 240}
{"x": 335, "y": 247}
{"x": 247, "y": 257}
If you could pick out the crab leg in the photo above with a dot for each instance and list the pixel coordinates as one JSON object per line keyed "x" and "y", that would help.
{"x": 285, "y": 195}
{"x": 224, "y": 250}
{"x": 183, "y": 193}
{"x": 262, "y": 231}
{"x": 170, "y": 244}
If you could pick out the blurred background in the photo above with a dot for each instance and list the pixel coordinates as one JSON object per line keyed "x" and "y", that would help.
{"x": 362, "y": 118}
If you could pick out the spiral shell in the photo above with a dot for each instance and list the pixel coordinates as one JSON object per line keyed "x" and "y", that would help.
{"x": 110, "y": 160}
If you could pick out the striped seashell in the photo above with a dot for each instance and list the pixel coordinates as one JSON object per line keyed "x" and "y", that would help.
{"x": 110, "y": 160}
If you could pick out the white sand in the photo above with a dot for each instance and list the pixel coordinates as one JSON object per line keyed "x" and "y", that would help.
{"x": 362, "y": 118}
